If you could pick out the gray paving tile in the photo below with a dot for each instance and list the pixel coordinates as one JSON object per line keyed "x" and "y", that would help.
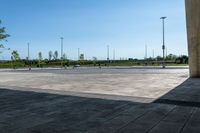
{"x": 149, "y": 120}
{"x": 179, "y": 115}
{"x": 192, "y": 127}
{"x": 122, "y": 119}
{"x": 167, "y": 127}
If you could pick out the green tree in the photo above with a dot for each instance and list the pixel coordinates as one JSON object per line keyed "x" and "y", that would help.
{"x": 40, "y": 56}
{"x": 183, "y": 59}
{"x": 55, "y": 55}
{"x": 15, "y": 56}
{"x": 81, "y": 57}
{"x": 50, "y": 55}
{"x": 3, "y": 36}
{"x": 159, "y": 58}
{"x": 64, "y": 56}
{"x": 171, "y": 57}
{"x": 94, "y": 60}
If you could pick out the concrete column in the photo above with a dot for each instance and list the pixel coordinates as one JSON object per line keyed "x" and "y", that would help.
{"x": 193, "y": 31}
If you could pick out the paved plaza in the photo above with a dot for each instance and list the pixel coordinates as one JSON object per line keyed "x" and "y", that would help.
{"x": 99, "y": 100}
{"x": 123, "y": 82}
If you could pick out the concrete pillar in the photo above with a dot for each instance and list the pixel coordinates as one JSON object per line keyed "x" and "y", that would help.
{"x": 193, "y": 31}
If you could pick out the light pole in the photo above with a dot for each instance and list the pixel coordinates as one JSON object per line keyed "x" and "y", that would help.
{"x": 163, "y": 46}
{"x": 146, "y": 56}
{"x": 113, "y": 54}
{"x": 107, "y": 52}
{"x": 28, "y": 58}
{"x": 28, "y": 52}
{"x": 61, "y": 56}
{"x": 11, "y": 60}
{"x": 78, "y": 54}
{"x": 153, "y": 53}
{"x": 146, "y": 52}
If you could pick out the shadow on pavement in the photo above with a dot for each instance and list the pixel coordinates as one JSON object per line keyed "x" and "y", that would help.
{"x": 186, "y": 94}
{"x": 37, "y": 112}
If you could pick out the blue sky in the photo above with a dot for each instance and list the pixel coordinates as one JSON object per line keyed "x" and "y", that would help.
{"x": 125, "y": 25}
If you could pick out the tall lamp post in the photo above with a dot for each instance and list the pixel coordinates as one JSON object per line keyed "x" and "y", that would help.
{"x": 28, "y": 58}
{"x": 28, "y": 52}
{"x": 163, "y": 46}
{"x": 61, "y": 56}
{"x": 108, "y": 52}
{"x": 78, "y": 54}
{"x": 108, "y": 47}
{"x": 113, "y": 54}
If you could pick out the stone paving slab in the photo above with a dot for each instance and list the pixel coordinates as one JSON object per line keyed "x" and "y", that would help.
{"x": 167, "y": 127}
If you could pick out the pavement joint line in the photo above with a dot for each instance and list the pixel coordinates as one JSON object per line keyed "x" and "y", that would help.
{"x": 191, "y": 114}
{"x": 106, "y": 119}
{"x": 161, "y": 119}
{"x": 121, "y": 128}
{"x": 117, "y": 114}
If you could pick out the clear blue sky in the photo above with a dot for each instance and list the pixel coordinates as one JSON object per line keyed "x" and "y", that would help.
{"x": 126, "y": 25}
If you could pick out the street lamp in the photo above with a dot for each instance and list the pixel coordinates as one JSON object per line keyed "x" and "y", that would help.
{"x": 61, "y": 56}
{"x": 113, "y": 54}
{"x": 28, "y": 52}
{"x": 108, "y": 47}
{"x": 78, "y": 54}
{"x": 163, "y": 46}
{"x": 28, "y": 58}
{"x": 146, "y": 56}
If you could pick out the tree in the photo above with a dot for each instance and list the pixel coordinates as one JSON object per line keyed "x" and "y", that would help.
{"x": 81, "y": 57}
{"x": 55, "y": 55}
{"x": 183, "y": 59}
{"x": 40, "y": 56}
{"x": 159, "y": 58}
{"x": 171, "y": 57}
{"x": 94, "y": 60}
{"x": 50, "y": 55}
{"x": 64, "y": 56}
{"x": 3, "y": 36}
{"x": 15, "y": 55}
